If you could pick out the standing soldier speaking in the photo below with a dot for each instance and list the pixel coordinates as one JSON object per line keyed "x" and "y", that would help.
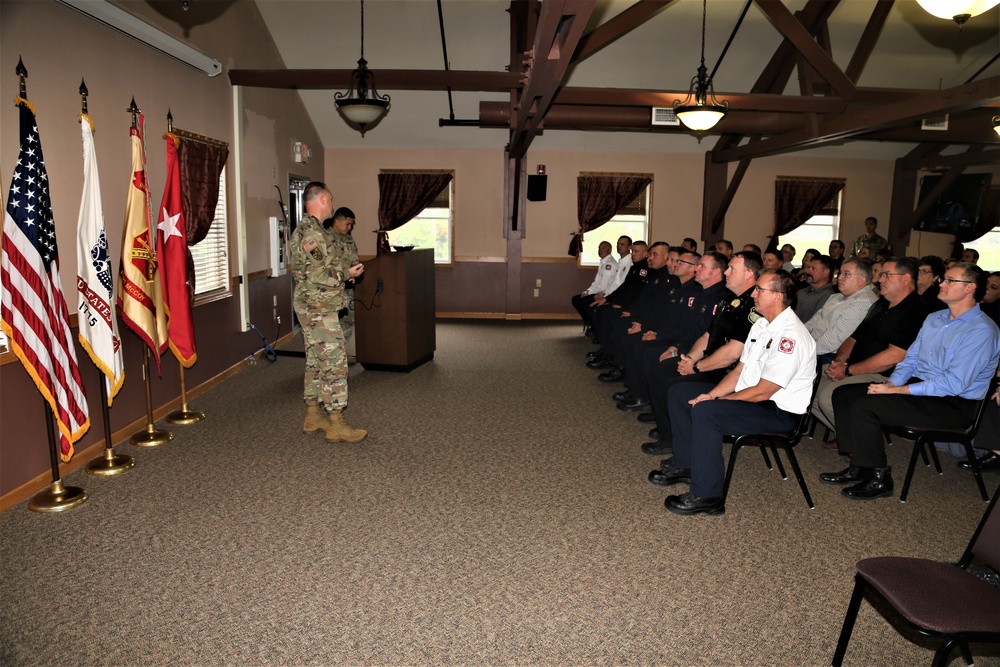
{"x": 319, "y": 296}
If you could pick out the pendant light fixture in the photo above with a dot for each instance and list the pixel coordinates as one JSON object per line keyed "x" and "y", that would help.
{"x": 356, "y": 105}
{"x": 996, "y": 124}
{"x": 958, "y": 11}
{"x": 706, "y": 110}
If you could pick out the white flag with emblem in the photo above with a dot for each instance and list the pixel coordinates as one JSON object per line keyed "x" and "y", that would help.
{"x": 94, "y": 280}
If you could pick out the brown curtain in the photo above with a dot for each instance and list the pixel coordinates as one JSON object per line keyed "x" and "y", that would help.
{"x": 795, "y": 201}
{"x": 600, "y": 198}
{"x": 989, "y": 215}
{"x": 402, "y": 196}
{"x": 200, "y": 165}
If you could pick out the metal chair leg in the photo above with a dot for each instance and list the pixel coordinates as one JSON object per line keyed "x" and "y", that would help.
{"x": 729, "y": 468}
{"x": 974, "y": 465}
{"x": 917, "y": 448}
{"x": 798, "y": 475}
{"x": 852, "y": 615}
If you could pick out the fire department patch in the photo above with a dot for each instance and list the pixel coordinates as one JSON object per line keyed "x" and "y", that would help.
{"x": 607, "y": 267}
{"x": 642, "y": 272}
{"x": 786, "y": 345}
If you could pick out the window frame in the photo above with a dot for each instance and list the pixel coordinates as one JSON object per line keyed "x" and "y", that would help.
{"x": 833, "y": 226}
{"x": 452, "y": 189}
{"x": 647, "y": 224}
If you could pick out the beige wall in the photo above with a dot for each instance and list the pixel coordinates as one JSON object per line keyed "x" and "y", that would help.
{"x": 677, "y": 194}
{"x": 60, "y": 47}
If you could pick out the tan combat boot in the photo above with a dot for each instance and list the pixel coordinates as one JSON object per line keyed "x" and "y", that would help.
{"x": 337, "y": 430}
{"x": 315, "y": 420}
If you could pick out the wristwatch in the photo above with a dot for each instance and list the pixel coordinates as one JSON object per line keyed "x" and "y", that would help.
{"x": 696, "y": 369}
{"x": 847, "y": 371}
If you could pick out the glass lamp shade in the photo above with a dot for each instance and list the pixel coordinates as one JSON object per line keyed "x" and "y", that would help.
{"x": 700, "y": 117}
{"x": 362, "y": 111}
{"x": 996, "y": 124}
{"x": 949, "y": 9}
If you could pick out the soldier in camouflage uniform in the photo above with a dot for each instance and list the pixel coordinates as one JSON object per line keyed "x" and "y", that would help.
{"x": 319, "y": 276}
{"x": 347, "y": 252}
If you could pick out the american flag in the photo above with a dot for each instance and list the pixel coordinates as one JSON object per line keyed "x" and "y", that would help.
{"x": 34, "y": 312}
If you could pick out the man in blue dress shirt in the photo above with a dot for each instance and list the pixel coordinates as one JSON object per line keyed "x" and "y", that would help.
{"x": 945, "y": 372}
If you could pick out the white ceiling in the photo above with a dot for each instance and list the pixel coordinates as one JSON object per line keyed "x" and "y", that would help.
{"x": 915, "y": 51}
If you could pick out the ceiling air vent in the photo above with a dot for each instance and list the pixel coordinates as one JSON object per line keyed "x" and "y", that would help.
{"x": 939, "y": 123}
{"x": 665, "y": 116}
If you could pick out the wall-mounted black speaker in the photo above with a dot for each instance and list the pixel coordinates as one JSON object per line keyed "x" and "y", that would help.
{"x": 536, "y": 187}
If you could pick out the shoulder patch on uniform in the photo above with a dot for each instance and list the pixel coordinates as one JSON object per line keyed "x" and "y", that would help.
{"x": 753, "y": 316}
{"x": 786, "y": 345}
{"x": 309, "y": 245}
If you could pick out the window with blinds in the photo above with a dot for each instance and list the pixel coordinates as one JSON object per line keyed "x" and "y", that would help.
{"x": 211, "y": 255}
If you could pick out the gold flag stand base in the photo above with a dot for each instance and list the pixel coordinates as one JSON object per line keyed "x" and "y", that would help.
{"x": 185, "y": 416}
{"x": 110, "y": 463}
{"x": 150, "y": 437}
{"x": 57, "y": 498}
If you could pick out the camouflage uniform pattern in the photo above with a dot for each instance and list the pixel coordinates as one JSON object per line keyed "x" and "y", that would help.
{"x": 319, "y": 295}
{"x": 346, "y": 251}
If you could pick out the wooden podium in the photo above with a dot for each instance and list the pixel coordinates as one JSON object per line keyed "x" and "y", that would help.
{"x": 397, "y": 332}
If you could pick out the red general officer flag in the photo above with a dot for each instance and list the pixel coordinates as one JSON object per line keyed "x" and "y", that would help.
{"x": 34, "y": 313}
{"x": 172, "y": 252}
{"x": 140, "y": 296}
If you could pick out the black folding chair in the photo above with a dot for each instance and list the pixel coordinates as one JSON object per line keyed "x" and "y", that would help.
{"x": 925, "y": 437}
{"x": 939, "y": 600}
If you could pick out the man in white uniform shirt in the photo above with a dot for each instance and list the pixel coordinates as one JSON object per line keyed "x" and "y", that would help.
{"x": 607, "y": 269}
{"x": 767, "y": 392}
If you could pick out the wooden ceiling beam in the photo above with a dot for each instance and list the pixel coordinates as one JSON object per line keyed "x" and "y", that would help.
{"x": 665, "y": 98}
{"x": 385, "y": 79}
{"x": 869, "y": 38}
{"x": 617, "y": 27}
{"x": 790, "y": 27}
{"x": 560, "y": 26}
{"x": 866, "y": 121}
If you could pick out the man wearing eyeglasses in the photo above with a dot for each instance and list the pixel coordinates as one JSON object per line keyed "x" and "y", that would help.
{"x": 879, "y": 343}
{"x": 767, "y": 392}
{"x": 944, "y": 373}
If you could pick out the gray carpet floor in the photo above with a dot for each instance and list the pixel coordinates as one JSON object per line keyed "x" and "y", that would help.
{"x": 498, "y": 514}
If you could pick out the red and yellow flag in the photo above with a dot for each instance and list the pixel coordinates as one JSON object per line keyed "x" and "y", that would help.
{"x": 140, "y": 296}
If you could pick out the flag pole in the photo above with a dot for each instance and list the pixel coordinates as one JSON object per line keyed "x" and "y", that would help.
{"x": 55, "y": 498}
{"x": 183, "y": 415}
{"x": 150, "y": 436}
{"x": 109, "y": 463}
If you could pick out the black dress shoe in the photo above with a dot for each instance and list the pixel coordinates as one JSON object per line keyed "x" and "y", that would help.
{"x": 667, "y": 463}
{"x": 647, "y": 418}
{"x": 633, "y": 404}
{"x": 658, "y": 447}
{"x": 654, "y": 433}
{"x": 600, "y": 362}
{"x": 593, "y": 354}
{"x": 670, "y": 476}
{"x": 877, "y": 484}
{"x": 620, "y": 396}
{"x": 614, "y": 375}
{"x": 688, "y": 503}
{"x": 989, "y": 462}
{"x": 845, "y": 476}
